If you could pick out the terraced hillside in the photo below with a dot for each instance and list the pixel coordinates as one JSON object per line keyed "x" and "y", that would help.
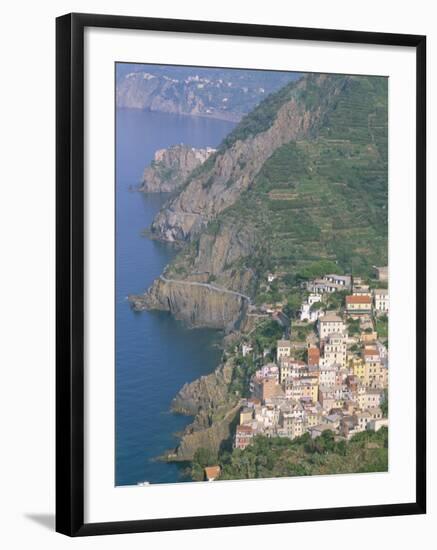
{"x": 301, "y": 180}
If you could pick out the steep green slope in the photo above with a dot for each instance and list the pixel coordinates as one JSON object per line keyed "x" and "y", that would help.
{"x": 321, "y": 198}
{"x": 302, "y": 180}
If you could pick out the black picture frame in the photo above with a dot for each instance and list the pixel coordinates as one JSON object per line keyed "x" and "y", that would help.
{"x": 70, "y": 273}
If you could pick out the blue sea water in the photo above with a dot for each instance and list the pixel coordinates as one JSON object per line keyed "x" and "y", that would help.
{"x": 155, "y": 355}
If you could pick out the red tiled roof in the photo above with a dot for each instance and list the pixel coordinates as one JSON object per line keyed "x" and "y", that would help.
{"x": 358, "y": 300}
{"x": 244, "y": 429}
{"x": 212, "y": 471}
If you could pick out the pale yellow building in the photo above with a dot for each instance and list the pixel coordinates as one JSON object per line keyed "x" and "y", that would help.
{"x": 246, "y": 415}
{"x": 375, "y": 375}
{"x": 312, "y": 418}
{"x": 358, "y": 367}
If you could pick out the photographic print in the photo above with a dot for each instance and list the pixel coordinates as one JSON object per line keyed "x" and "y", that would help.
{"x": 252, "y": 280}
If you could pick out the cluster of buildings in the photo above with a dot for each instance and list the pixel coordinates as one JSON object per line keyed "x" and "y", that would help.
{"x": 360, "y": 300}
{"x": 339, "y": 386}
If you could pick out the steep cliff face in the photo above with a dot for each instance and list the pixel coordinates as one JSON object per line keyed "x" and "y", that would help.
{"x": 214, "y": 409}
{"x": 204, "y": 286}
{"x": 302, "y": 178}
{"x": 232, "y": 170}
{"x": 214, "y": 258}
{"x": 208, "y": 393}
{"x": 208, "y": 438}
{"x": 171, "y": 167}
{"x": 197, "y": 304}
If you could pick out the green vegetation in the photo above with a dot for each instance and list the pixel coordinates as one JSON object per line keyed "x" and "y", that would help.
{"x": 377, "y": 284}
{"x": 261, "y": 118}
{"x": 244, "y": 368}
{"x": 301, "y": 331}
{"x": 271, "y": 296}
{"x": 294, "y": 301}
{"x": 382, "y": 326}
{"x": 282, "y": 457}
{"x": 317, "y": 269}
{"x": 336, "y": 300}
{"x": 384, "y": 404}
{"x": 353, "y": 326}
{"x": 166, "y": 173}
{"x": 202, "y": 458}
{"x": 202, "y": 169}
{"x": 319, "y": 205}
{"x": 266, "y": 335}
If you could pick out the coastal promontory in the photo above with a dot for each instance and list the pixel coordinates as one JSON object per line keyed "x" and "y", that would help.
{"x": 170, "y": 167}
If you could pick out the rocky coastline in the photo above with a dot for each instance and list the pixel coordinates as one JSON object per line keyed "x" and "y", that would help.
{"x": 213, "y": 280}
{"x": 214, "y": 408}
{"x": 171, "y": 167}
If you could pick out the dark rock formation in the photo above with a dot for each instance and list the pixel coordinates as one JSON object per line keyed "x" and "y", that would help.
{"x": 171, "y": 166}
{"x": 214, "y": 408}
{"x": 197, "y": 304}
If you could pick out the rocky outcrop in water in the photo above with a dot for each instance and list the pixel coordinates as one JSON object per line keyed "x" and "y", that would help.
{"x": 214, "y": 407}
{"x": 170, "y": 168}
{"x": 197, "y": 304}
{"x": 207, "y": 393}
{"x": 204, "y": 286}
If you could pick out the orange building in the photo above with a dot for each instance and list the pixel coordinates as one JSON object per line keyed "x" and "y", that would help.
{"x": 313, "y": 356}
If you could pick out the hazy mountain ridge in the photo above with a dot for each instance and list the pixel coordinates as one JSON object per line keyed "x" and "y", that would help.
{"x": 224, "y": 94}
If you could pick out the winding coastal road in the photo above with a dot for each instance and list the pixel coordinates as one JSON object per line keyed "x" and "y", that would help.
{"x": 206, "y": 285}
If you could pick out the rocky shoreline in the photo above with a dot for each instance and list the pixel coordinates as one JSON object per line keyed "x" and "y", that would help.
{"x": 214, "y": 408}
{"x": 236, "y": 212}
{"x": 210, "y": 284}
{"x": 171, "y": 167}
{"x": 197, "y": 304}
